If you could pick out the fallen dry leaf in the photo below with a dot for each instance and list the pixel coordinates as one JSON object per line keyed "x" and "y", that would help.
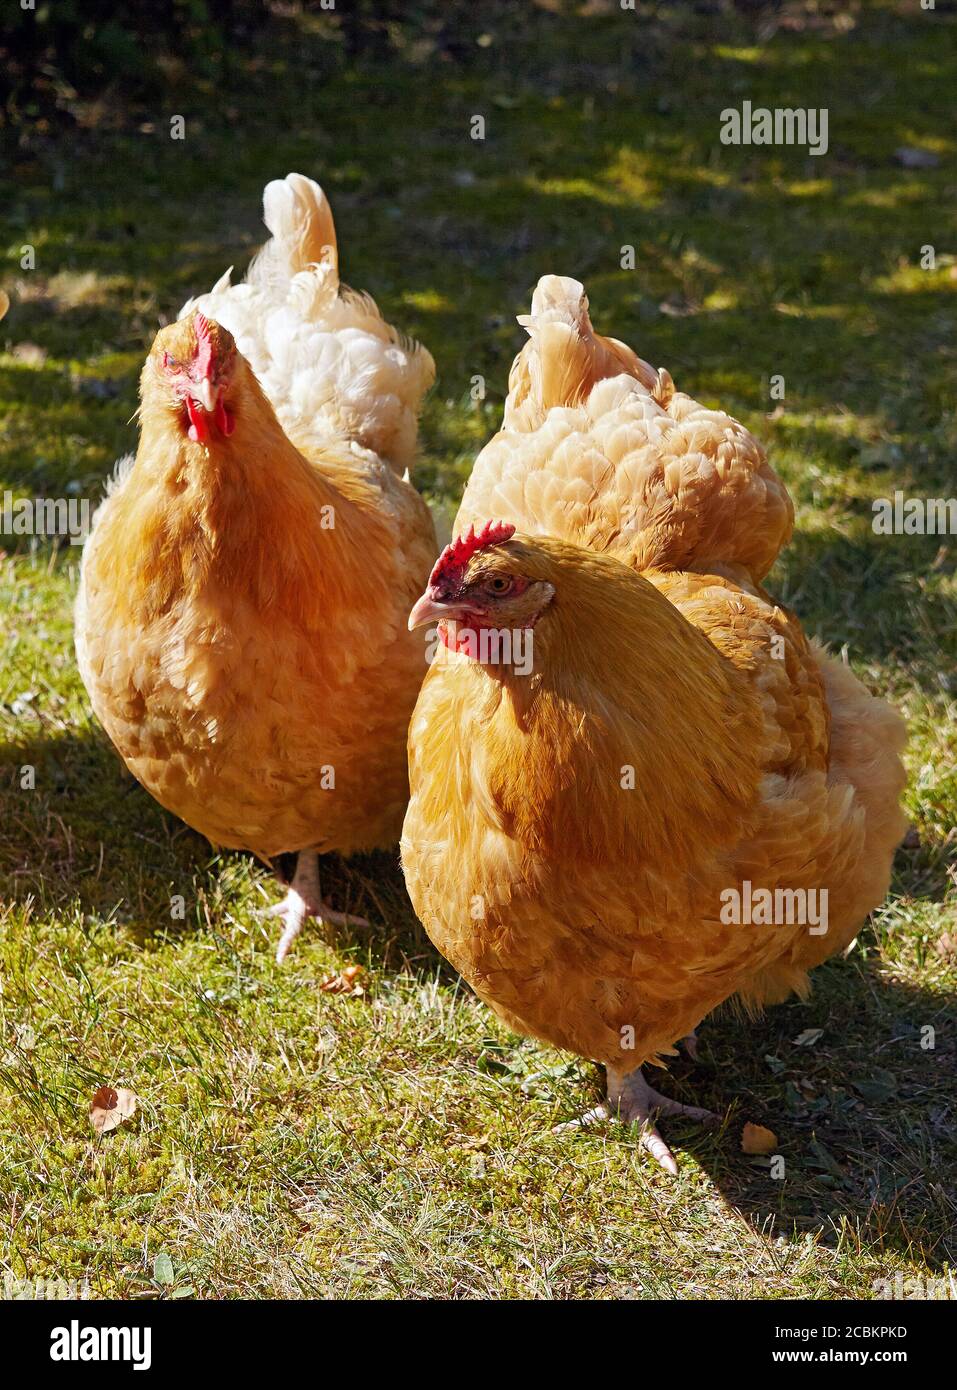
{"x": 755, "y": 1139}
{"x": 349, "y": 981}
{"x": 809, "y": 1037}
{"x": 946, "y": 945}
{"x": 110, "y": 1107}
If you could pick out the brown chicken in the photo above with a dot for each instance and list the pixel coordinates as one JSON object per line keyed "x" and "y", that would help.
{"x": 241, "y": 621}
{"x": 636, "y": 788}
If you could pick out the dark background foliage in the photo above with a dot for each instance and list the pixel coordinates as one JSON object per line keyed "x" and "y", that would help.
{"x": 61, "y": 52}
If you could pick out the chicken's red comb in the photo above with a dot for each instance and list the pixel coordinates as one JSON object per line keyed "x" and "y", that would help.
{"x": 204, "y": 344}
{"x": 451, "y": 563}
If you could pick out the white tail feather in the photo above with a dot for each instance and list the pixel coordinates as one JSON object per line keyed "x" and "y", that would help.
{"x": 297, "y": 212}
{"x": 329, "y": 363}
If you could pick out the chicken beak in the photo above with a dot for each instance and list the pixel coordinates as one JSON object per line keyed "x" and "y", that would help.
{"x": 430, "y": 610}
{"x": 206, "y": 394}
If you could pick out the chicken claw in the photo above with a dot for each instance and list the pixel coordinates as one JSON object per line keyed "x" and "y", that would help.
{"x": 632, "y": 1100}
{"x": 304, "y": 899}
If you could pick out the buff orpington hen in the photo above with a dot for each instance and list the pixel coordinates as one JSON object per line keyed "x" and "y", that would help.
{"x": 241, "y": 620}
{"x": 623, "y": 735}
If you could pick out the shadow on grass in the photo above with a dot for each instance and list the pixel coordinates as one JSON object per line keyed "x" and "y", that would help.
{"x": 88, "y": 833}
{"x": 865, "y": 1116}
{"x": 77, "y": 827}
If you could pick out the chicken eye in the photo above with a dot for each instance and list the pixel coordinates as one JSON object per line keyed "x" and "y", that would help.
{"x": 170, "y": 362}
{"x": 500, "y": 583}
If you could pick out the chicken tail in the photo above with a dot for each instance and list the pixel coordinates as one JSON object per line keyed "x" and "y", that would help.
{"x": 298, "y": 214}
{"x": 333, "y": 369}
{"x": 565, "y": 357}
{"x": 599, "y": 448}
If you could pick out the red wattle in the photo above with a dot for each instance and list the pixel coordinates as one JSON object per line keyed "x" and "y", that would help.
{"x": 224, "y": 421}
{"x": 198, "y": 428}
{"x": 455, "y": 635}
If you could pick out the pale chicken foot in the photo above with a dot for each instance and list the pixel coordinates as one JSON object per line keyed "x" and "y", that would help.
{"x": 631, "y": 1100}
{"x": 303, "y": 900}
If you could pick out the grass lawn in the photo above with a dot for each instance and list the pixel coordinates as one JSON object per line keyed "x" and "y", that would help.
{"x": 291, "y": 1141}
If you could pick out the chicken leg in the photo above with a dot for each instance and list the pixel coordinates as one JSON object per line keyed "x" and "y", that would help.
{"x": 304, "y": 899}
{"x": 632, "y": 1100}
